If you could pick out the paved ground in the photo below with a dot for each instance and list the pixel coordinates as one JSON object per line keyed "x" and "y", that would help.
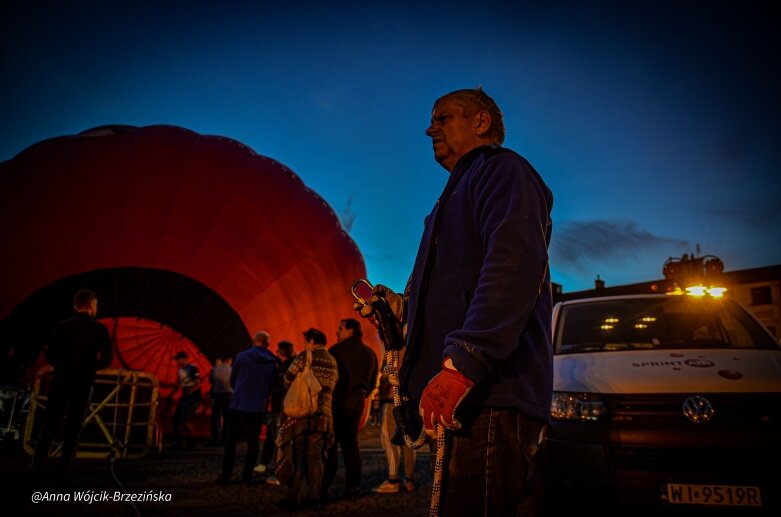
{"x": 187, "y": 477}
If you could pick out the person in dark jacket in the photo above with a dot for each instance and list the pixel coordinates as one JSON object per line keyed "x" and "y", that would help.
{"x": 79, "y": 347}
{"x": 358, "y": 368}
{"x": 251, "y": 378}
{"x": 284, "y": 359}
{"x": 220, "y": 392}
{"x": 189, "y": 380}
{"x": 479, "y": 360}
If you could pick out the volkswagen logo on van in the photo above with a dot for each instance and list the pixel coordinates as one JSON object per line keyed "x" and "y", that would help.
{"x": 698, "y": 409}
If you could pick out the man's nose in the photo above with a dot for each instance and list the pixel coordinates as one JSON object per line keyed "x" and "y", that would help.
{"x": 430, "y": 131}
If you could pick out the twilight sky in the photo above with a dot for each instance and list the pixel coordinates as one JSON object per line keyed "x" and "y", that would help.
{"x": 654, "y": 123}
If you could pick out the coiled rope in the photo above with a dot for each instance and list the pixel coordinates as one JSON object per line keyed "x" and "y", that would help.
{"x": 391, "y": 370}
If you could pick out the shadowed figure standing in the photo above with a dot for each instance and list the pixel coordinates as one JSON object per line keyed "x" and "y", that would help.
{"x": 79, "y": 347}
{"x": 358, "y": 368}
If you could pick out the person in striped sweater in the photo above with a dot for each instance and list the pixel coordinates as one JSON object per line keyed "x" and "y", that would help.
{"x": 302, "y": 442}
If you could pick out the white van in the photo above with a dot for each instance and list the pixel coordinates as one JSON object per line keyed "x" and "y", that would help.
{"x": 664, "y": 402}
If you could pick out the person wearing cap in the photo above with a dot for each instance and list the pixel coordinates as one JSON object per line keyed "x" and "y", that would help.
{"x": 189, "y": 379}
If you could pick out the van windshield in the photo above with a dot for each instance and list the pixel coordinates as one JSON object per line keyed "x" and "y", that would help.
{"x": 657, "y": 322}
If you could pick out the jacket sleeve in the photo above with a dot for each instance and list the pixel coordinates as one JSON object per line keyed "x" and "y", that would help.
{"x": 106, "y": 353}
{"x": 53, "y": 352}
{"x": 295, "y": 368}
{"x": 272, "y": 377}
{"x": 511, "y": 211}
{"x": 235, "y": 371}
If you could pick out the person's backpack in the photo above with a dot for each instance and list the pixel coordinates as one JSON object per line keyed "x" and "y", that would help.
{"x": 301, "y": 397}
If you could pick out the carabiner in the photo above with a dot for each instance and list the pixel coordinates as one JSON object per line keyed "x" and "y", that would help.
{"x": 358, "y": 297}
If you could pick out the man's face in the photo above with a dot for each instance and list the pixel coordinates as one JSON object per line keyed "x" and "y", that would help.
{"x": 452, "y": 134}
{"x": 90, "y": 308}
{"x": 93, "y": 308}
{"x": 343, "y": 332}
{"x": 182, "y": 362}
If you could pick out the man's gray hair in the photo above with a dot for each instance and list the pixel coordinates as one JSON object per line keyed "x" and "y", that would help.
{"x": 262, "y": 338}
{"x": 475, "y": 100}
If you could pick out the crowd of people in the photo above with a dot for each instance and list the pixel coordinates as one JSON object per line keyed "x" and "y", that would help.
{"x": 476, "y": 377}
{"x": 246, "y": 395}
{"x": 299, "y": 453}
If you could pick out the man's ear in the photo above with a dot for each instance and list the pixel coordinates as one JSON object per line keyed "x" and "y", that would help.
{"x": 483, "y": 123}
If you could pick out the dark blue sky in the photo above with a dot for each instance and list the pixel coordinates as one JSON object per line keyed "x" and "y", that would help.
{"x": 654, "y": 123}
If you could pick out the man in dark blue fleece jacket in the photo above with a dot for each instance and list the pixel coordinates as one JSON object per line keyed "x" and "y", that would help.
{"x": 252, "y": 375}
{"x": 478, "y": 311}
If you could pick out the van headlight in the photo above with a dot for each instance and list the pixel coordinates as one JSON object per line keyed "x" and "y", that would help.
{"x": 577, "y": 406}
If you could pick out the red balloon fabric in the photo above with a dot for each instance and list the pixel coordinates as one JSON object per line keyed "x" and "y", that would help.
{"x": 206, "y": 209}
{"x": 150, "y": 347}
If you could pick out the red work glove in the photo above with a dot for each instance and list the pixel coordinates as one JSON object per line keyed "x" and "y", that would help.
{"x": 441, "y": 398}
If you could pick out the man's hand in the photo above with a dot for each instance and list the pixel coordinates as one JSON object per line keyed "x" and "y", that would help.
{"x": 366, "y": 311}
{"x": 395, "y": 301}
{"x": 441, "y": 398}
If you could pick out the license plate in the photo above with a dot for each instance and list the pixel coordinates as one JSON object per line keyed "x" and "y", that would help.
{"x": 714, "y": 495}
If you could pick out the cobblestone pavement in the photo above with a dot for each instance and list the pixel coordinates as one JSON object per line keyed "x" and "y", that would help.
{"x": 188, "y": 476}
